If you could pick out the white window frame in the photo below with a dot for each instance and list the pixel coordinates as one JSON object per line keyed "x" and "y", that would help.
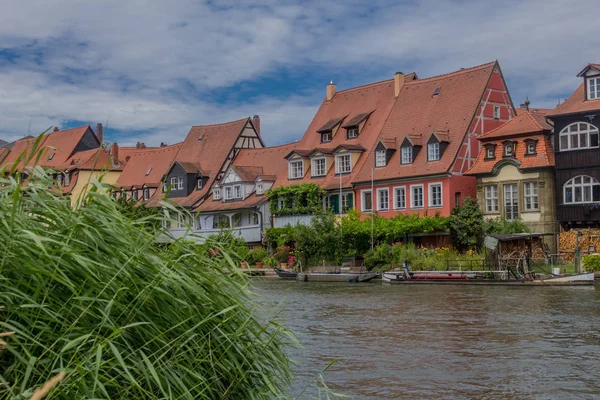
{"x": 380, "y": 205}
{"x": 164, "y": 187}
{"x": 345, "y": 207}
{"x": 496, "y": 112}
{"x": 180, "y": 183}
{"x": 315, "y": 164}
{"x": 60, "y": 178}
{"x": 199, "y": 183}
{"x": 594, "y": 83}
{"x": 509, "y": 208}
{"x": 362, "y": 200}
{"x": 280, "y": 203}
{"x": 329, "y": 136}
{"x": 510, "y": 146}
{"x": 293, "y": 171}
{"x": 352, "y": 129}
{"x": 430, "y": 198}
{"x": 67, "y": 180}
{"x": 326, "y": 202}
{"x": 413, "y": 206}
{"x": 217, "y": 194}
{"x": 586, "y": 134}
{"x": 570, "y": 184}
{"x": 407, "y": 155}
{"x": 339, "y": 163}
{"x": 531, "y": 147}
{"x": 380, "y": 158}
{"x": 260, "y": 188}
{"x": 397, "y": 197}
{"x": 237, "y": 192}
{"x": 531, "y": 200}
{"x": 433, "y": 151}
{"x": 490, "y": 152}
{"x": 146, "y": 194}
{"x": 134, "y": 194}
{"x": 492, "y": 204}
{"x": 227, "y": 193}
{"x": 174, "y": 183}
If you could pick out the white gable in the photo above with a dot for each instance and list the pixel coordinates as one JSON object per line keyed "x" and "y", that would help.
{"x": 231, "y": 177}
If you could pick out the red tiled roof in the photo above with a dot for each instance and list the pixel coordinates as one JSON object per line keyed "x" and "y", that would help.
{"x": 418, "y": 111}
{"x": 356, "y": 120}
{"x": 375, "y": 98}
{"x": 54, "y": 148}
{"x": 208, "y": 145}
{"x": 247, "y": 173}
{"x": 272, "y": 165}
{"x": 544, "y": 155}
{"x": 525, "y": 123}
{"x": 157, "y": 161}
{"x": 95, "y": 159}
{"x": 576, "y": 104}
{"x": 388, "y": 143}
{"x": 190, "y": 167}
{"x": 332, "y": 123}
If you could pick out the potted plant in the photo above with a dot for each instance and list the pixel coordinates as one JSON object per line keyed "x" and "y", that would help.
{"x": 270, "y": 262}
{"x": 257, "y": 256}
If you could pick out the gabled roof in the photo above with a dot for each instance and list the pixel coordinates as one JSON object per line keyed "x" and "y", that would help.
{"x": 157, "y": 160}
{"x": 271, "y": 163}
{"x": 414, "y": 139}
{"x": 95, "y": 159}
{"x": 588, "y": 67}
{"x": 418, "y": 111}
{"x": 301, "y": 153}
{"x": 442, "y": 136}
{"x": 526, "y": 126}
{"x": 525, "y": 123}
{"x": 191, "y": 167}
{"x": 576, "y": 103}
{"x": 388, "y": 143}
{"x": 208, "y": 145}
{"x": 375, "y": 99}
{"x": 247, "y": 173}
{"x": 54, "y": 148}
{"x": 349, "y": 146}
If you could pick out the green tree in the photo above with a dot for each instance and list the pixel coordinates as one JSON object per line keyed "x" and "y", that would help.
{"x": 466, "y": 225}
{"x": 501, "y": 225}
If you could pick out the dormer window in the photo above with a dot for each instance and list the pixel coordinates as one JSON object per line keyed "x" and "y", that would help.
{"x": 228, "y": 194}
{"x": 319, "y": 166}
{"x": 259, "y": 188}
{"x": 530, "y": 147}
{"x": 509, "y": 149}
{"x": 593, "y": 88}
{"x": 326, "y": 137}
{"x": 352, "y": 132}
{"x": 407, "y": 155}
{"x": 148, "y": 171}
{"x": 433, "y": 152}
{"x": 51, "y": 156}
{"x": 237, "y": 191}
{"x": 67, "y": 180}
{"x": 199, "y": 184}
{"x": 146, "y": 194}
{"x": 217, "y": 194}
{"x": 380, "y": 158}
{"x": 343, "y": 164}
{"x": 59, "y": 179}
{"x": 490, "y": 153}
{"x": 134, "y": 194}
{"x": 296, "y": 169}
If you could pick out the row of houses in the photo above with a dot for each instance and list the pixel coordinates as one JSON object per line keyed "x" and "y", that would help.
{"x": 404, "y": 145}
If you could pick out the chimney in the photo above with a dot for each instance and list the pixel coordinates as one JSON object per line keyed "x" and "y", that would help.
{"x": 398, "y": 83}
{"x": 163, "y": 144}
{"x": 55, "y": 129}
{"x": 256, "y": 123}
{"x": 331, "y": 89}
{"x": 99, "y": 133}
{"x": 141, "y": 145}
{"x": 114, "y": 154}
{"x": 525, "y": 106}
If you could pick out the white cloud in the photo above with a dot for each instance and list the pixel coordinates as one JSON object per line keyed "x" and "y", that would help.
{"x": 150, "y": 66}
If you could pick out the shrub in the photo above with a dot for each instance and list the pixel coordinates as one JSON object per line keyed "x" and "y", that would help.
{"x": 89, "y": 293}
{"x": 257, "y": 255}
{"x": 500, "y": 226}
{"x": 380, "y": 258}
{"x": 282, "y": 254}
{"x": 466, "y": 225}
{"x": 592, "y": 262}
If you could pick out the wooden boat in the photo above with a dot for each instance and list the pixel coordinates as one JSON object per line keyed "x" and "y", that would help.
{"x": 482, "y": 278}
{"x": 336, "y": 277}
{"x": 285, "y": 274}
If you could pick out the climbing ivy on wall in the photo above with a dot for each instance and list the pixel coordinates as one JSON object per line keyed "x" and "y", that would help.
{"x": 301, "y": 198}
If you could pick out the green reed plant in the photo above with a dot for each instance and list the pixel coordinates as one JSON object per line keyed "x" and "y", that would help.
{"x": 88, "y": 292}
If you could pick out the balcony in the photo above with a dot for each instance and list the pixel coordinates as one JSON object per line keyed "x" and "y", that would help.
{"x": 292, "y": 220}
{"x": 245, "y": 225}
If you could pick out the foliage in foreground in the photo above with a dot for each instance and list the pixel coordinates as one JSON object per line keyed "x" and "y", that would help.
{"x": 88, "y": 292}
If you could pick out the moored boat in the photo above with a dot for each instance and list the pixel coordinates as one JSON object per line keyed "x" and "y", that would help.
{"x": 285, "y": 274}
{"x": 336, "y": 277}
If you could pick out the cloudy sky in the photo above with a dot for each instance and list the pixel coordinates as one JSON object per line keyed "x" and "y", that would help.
{"x": 151, "y": 69}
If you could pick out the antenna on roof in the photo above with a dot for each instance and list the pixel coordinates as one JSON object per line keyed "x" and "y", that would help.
{"x": 29, "y": 130}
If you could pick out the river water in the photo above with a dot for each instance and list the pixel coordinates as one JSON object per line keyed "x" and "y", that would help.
{"x": 443, "y": 342}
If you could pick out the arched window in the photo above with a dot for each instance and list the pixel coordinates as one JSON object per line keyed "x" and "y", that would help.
{"x": 581, "y": 189}
{"x": 579, "y": 135}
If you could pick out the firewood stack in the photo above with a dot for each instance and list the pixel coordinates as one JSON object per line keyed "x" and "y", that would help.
{"x": 519, "y": 248}
{"x": 589, "y": 243}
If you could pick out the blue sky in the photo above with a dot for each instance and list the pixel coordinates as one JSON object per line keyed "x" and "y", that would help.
{"x": 151, "y": 69}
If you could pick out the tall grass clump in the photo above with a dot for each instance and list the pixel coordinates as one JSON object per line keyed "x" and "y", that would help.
{"x": 91, "y": 298}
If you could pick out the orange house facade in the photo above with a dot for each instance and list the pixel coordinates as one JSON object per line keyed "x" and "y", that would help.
{"x": 430, "y": 140}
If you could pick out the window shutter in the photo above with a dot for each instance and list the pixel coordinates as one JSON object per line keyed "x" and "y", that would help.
{"x": 335, "y": 203}
{"x": 350, "y": 201}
